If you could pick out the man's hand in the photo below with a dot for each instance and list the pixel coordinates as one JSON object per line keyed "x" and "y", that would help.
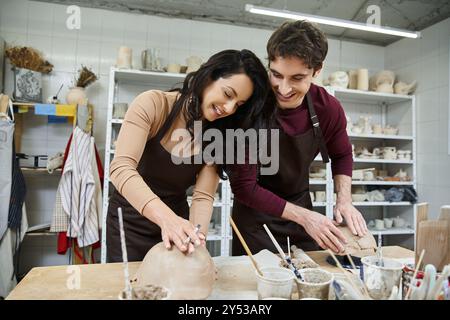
{"x": 344, "y": 210}
{"x": 318, "y": 226}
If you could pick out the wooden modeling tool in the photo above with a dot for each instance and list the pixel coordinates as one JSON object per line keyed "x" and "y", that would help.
{"x": 244, "y": 244}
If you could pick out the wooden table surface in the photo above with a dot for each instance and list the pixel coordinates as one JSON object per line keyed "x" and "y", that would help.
{"x": 105, "y": 281}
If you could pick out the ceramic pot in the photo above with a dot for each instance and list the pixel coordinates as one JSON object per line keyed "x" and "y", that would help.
{"x": 76, "y": 95}
{"x": 124, "y": 58}
{"x": 353, "y": 79}
{"x": 363, "y": 80}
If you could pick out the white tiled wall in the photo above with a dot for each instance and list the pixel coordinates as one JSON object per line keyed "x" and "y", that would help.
{"x": 427, "y": 60}
{"x": 42, "y": 26}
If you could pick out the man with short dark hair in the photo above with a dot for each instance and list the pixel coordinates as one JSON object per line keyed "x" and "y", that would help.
{"x": 310, "y": 121}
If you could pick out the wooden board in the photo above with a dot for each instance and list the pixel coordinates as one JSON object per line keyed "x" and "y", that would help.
{"x": 105, "y": 281}
{"x": 433, "y": 238}
{"x": 422, "y": 215}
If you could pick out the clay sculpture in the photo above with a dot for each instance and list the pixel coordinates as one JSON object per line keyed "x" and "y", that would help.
{"x": 186, "y": 276}
{"x": 383, "y": 82}
{"x": 404, "y": 88}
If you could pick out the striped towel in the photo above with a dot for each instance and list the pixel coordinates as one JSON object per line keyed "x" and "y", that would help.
{"x": 78, "y": 190}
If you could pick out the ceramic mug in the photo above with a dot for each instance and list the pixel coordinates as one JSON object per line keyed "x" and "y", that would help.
{"x": 379, "y": 224}
{"x": 377, "y": 129}
{"x": 369, "y": 175}
{"x": 388, "y": 222}
{"x": 389, "y": 153}
{"x": 174, "y": 68}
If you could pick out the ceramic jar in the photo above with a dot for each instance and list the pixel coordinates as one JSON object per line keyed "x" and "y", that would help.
{"x": 124, "y": 58}
{"x": 76, "y": 95}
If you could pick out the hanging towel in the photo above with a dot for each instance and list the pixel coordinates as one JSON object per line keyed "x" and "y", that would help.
{"x": 6, "y": 153}
{"x": 60, "y": 220}
{"x": 18, "y": 193}
{"x": 78, "y": 189}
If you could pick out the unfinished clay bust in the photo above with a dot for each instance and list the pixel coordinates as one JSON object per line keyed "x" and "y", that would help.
{"x": 358, "y": 245}
{"x": 186, "y": 276}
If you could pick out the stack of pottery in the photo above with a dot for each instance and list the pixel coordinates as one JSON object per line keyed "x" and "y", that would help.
{"x": 338, "y": 79}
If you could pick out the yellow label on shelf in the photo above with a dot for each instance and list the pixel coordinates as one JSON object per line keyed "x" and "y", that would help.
{"x": 66, "y": 110}
{"x": 23, "y": 109}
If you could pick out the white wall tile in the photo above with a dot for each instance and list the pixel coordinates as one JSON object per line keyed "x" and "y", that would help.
{"x": 428, "y": 105}
{"x": 108, "y": 56}
{"x": 91, "y": 24}
{"x": 64, "y": 54}
{"x": 14, "y": 39}
{"x": 135, "y": 27}
{"x": 40, "y": 18}
{"x": 179, "y": 34}
{"x": 428, "y": 68}
{"x": 427, "y": 137}
{"x": 88, "y": 54}
{"x": 112, "y": 29}
{"x": 219, "y": 38}
{"x": 13, "y": 16}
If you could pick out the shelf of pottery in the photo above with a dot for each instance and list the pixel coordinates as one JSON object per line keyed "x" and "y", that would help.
{"x": 124, "y": 86}
{"x": 382, "y": 130}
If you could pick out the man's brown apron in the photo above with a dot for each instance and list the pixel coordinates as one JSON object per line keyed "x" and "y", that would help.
{"x": 167, "y": 180}
{"x": 291, "y": 183}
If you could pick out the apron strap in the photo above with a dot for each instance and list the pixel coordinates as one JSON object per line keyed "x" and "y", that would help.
{"x": 317, "y": 130}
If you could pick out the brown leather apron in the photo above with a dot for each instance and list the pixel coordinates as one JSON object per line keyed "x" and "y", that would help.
{"x": 291, "y": 183}
{"x": 167, "y": 180}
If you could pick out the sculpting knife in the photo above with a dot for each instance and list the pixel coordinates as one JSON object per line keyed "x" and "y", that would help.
{"x": 196, "y": 230}
{"x": 283, "y": 256}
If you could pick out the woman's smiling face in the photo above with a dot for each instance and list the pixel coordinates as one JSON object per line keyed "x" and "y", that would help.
{"x": 222, "y": 97}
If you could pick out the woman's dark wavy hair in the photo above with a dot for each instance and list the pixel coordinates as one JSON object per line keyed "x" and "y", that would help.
{"x": 257, "y": 112}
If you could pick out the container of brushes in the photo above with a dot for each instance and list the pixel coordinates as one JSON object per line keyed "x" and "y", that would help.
{"x": 276, "y": 282}
{"x": 381, "y": 279}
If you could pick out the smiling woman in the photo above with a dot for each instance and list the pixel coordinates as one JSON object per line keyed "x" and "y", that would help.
{"x": 229, "y": 91}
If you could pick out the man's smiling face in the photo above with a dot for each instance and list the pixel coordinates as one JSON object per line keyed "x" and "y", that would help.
{"x": 291, "y": 79}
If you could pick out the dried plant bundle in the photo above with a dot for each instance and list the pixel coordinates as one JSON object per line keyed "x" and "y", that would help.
{"x": 85, "y": 77}
{"x": 28, "y": 58}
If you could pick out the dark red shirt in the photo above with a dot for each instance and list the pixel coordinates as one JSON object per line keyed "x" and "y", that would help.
{"x": 294, "y": 122}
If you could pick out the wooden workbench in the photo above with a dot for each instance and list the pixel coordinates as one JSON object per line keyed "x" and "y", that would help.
{"x": 105, "y": 281}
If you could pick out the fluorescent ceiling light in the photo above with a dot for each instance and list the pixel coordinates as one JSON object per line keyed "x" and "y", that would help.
{"x": 330, "y": 21}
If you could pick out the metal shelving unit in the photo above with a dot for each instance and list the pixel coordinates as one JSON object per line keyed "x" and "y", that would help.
{"x": 385, "y": 109}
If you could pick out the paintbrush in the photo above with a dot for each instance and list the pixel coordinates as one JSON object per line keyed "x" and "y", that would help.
{"x": 339, "y": 265}
{"x": 124, "y": 257}
{"x": 246, "y": 248}
{"x": 283, "y": 256}
{"x": 414, "y": 275}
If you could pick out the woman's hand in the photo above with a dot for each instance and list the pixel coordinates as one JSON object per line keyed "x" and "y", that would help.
{"x": 174, "y": 229}
{"x": 181, "y": 232}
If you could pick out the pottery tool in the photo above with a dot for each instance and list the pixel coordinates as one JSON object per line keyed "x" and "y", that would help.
{"x": 283, "y": 256}
{"x": 338, "y": 264}
{"x": 415, "y": 274}
{"x": 246, "y": 248}
{"x": 196, "y": 230}
{"x": 289, "y": 248}
{"x": 380, "y": 262}
{"x": 124, "y": 257}
{"x": 366, "y": 291}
